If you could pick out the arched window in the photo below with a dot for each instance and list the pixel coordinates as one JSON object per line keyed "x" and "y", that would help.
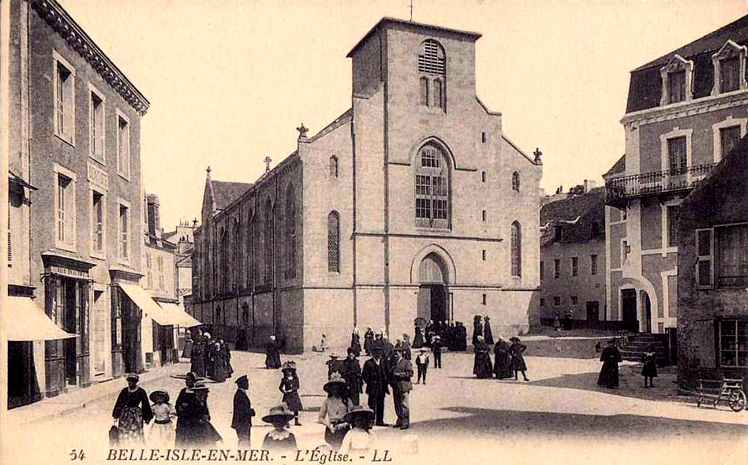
{"x": 333, "y": 168}
{"x": 290, "y": 233}
{"x": 432, "y": 188}
{"x": 516, "y": 249}
{"x": 432, "y": 70}
{"x": 333, "y": 242}
{"x": 267, "y": 242}
{"x": 515, "y": 181}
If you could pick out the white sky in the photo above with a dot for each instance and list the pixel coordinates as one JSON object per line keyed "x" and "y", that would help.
{"x": 228, "y": 81}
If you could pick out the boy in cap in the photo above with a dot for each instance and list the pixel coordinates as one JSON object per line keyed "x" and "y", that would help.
{"x": 243, "y": 413}
{"x": 422, "y": 364}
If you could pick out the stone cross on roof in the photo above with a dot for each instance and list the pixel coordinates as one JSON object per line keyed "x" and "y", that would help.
{"x": 267, "y": 162}
{"x": 538, "y": 154}
{"x": 302, "y": 131}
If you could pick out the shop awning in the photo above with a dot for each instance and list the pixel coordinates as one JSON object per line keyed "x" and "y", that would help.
{"x": 142, "y": 299}
{"x": 185, "y": 319}
{"x": 24, "y": 320}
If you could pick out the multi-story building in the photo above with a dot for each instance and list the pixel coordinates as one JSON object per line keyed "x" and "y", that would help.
{"x": 413, "y": 203}
{"x": 713, "y": 275}
{"x": 183, "y": 237}
{"x": 75, "y": 203}
{"x": 572, "y": 257}
{"x": 685, "y": 111}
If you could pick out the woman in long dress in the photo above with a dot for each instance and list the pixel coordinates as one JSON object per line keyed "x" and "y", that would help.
{"x": 418, "y": 338}
{"x": 356, "y": 342}
{"x": 161, "y": 435}
{"x": 502, "y": 366}
{"x": 205, "y": 435}
{"x": 333, "y": 411}
{"x": 516, "y": 350}
{"x": 220, "y": 371}
{"x": 184, "y": 405}
{"x": 477, "y": 328}
{"x": 482, "y": 366}
{"x": 272, "y": 354}
{"x": 131, "y": 411}
{"x": 197, "y": 357}
{"x": 289, "y": 386}
{"x": 487, "y": 334}
{"x": 187, "y": 351}
{"x": 609, "y": 372}
{"x": 368, "y": 340}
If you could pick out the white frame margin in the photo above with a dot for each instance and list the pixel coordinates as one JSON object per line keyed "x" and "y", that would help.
{"x": 57, "y": 58}
{"x": 61, "y": 170}
{"x": 724, "y": 124}
{"x": 91, "y": 122}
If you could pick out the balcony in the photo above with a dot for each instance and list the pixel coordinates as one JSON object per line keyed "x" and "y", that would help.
{"x": 619, "y": 191}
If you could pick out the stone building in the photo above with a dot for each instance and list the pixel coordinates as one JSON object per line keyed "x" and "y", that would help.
{"x": 685, "y": 110}
{"x": 74, "y": 204}
{"x": 413, "y": 203}
{"x": 713, "y": 274}
{"x": 183, "y": 237}
{"x": 572, "y": 258}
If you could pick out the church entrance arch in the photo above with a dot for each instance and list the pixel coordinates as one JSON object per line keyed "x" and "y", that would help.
{"x": 432, "y": 291}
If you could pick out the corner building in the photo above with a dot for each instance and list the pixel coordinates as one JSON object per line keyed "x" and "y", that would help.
{"x": 413, "y": 203}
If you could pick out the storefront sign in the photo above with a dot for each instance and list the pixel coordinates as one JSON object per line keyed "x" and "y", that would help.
{"x": 97, "y": 176}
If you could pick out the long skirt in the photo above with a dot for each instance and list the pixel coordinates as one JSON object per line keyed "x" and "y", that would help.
{"x": 161, "y": 435}
{"x": 293, "y": 401}
{"x": 335, "y": 439}
{"x": 131, "y": 426}
{"x": 187, "y": 351}
{"x": 503, "y": 366}
{"x": 608, "y": 375}
{"x": 482, "y": 367}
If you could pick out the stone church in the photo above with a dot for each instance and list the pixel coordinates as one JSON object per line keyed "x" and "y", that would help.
{"x": 412, "y": 203}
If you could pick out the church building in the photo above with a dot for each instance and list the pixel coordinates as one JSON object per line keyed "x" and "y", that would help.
{"x": 412, "y": 203}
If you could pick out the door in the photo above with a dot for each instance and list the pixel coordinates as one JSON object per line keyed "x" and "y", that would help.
{"x": 647, "y": 304}
{"x": 628, "y": 307}
{"x": 438, "y": 303}
{"x": 593, "y": 312}
{"x": 100, "y": 324}
{"x": 70, "y": 325}
{"x": 424, "y": 302}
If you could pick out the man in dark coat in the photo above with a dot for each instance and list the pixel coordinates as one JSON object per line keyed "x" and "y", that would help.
{"x": 368, "y": 340}
{"x": 610, "y": 357}
{"x": 352, "y": 376}
{"x": 375, "y": 377}
{"x": 272, "y": 354}
{"x": 402, "y": 372}
{"x": 356, "y": 342}
{"x": 184, "y": 402}
{"x": 436, "y": 346}
{"x": 243, "y": 413}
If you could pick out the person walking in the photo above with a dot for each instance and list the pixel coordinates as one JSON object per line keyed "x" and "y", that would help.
{"x": 204, "y": 434}
{"x": 197, "y": 357}
{"x": 272, "y": 354}
{"x": 610, "y": 357}
{"x": 289, "y": 386}
{"x": 649, "y": 366}
{"x": 333, "y": 411}
{"x": 375, "y": 377}
{"x": 502, "y": 366}
{"x": 352, "y": 376}
{"x": 436, "y": 347}
{"x": 161, "y": 435}
{"x": 218, "y": 363}
{"x": 279, "y": 440}
{"x": 368, "y": 340}
{"x": 482, "y": 363}
{"x": 407, "y": 352}
{"x": 241, "y": 420}
{"x": 184, "y": 403}
{"x": 131, "y": 411}
{"x": 422, "y": 364}
{"x": 400, "y": 377}
{"x": 516, "y": 350}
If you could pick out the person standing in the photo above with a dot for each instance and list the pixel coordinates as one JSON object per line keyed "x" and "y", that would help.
{"x": 610, "y": 357}
{"x": 516, "y": 350}
{"x": 422, "y": 364}
{"x": 649, "y": 366}
{"x": 482, "y": 365}
{"x": 502, "y": 366}
{"x": 487, "y": 334}
{"x": 210, "y": 356}
{"x": 272, "y": 354}
{"x": 197, "y": 357}
{"x": 407, "y": 353}
{"x": 241, "y": 420}
{"x": 279, "y": 440}
{"x": 436, "y": 347}
{"x": 368, "y": 340}
{"x": 333, "y": 411}
{"x": 162, "y": 429}
{"x": 131, "y": 411}
{"x": 401, "y": 374}
{"x": 289, "y": 386}
{"x": 218, "y": 363}
{"x": 356, "y": 342}
{"x": 352, "y": 375}
{"x": 477, "y": 328}
{"x": 226, "y": 356}
{"x": 187, "y": 351}
{"x": 204, "y": 435}
{"x": 375, "y": 377}
{"x": 419, "y": 339}
{"x": 184, "y": 403}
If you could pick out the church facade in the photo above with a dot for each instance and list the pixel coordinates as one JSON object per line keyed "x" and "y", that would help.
{"x": 413, "y": 203}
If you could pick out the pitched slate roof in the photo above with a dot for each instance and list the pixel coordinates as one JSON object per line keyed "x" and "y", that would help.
{"x": 575, "y": 215}
{"x": 645, "y": 87}
{"x": 224, "y": 193}
{"x": 618, "y": 167}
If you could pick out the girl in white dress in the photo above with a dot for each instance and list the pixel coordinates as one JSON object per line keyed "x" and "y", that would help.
{"x": 162, "y": 429}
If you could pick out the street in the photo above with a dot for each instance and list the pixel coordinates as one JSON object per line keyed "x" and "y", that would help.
{"x": 560, "y": 416}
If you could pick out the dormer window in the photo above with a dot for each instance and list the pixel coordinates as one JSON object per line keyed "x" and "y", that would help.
{"x": 677, "y": 81}
{"x": 432, "y": 70}
{"x": 729, "y": 68}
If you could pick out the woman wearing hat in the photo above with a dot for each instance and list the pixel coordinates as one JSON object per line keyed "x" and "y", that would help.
{"x": 518, "y": 361}
{"x": 482, "y": 365}
{"x": 502, "y": 366}
{"x": 359, "y": 440}
{"x": 272, "y": 354}
{"x": 289, "y": 386}
{"x": 185, "y": 400}
{"x": 131, "y": 411}
{"x": 279, "y": 440}
{"x": 162, "y": 430}
{"x": 204, "y": 434}
{"x": 610, "y": 357}
{"x": 333, "y": 411}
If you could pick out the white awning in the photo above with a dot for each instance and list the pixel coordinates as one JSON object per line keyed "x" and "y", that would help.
{"x": 184, "y": 318}
{"x": 24, "y": 320}
{"x": 143, "y": 300}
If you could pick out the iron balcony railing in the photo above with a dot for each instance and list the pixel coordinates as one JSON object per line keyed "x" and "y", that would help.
{"x": 620, "y": 190}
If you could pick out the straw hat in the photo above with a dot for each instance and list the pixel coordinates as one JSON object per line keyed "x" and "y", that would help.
{"x": 278, "y": 413}
{"x": 155, "y": 395}
{"x": 359, "y": 411}
{"x": 200, "y": 386}
{"x": 335, "y": 380}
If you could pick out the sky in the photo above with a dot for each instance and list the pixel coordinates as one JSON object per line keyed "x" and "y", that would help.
{"x": 229, "y": 81}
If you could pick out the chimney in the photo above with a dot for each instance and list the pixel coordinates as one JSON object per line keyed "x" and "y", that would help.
{"x": 154, "y": 219}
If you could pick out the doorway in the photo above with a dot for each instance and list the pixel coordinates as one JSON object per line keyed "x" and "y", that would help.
{"x": 628, "y": 309}
{"x": 70, "y": 325}
{"x": 647, "y": 306}
{"x": 593, "y": 311}
{"x": 432, "y": 293}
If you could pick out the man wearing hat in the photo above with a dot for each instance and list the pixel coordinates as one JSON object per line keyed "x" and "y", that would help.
{"x": 243, "y": 413}
{"x": 375, "y": 377}
{"x": 402, "y": 372}
{"x": 436, "y": 347}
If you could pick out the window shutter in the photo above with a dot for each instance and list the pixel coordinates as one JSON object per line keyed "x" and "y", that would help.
{"x": 705, "y": 258}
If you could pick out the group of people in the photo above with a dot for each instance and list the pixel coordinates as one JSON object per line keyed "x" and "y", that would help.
{"x": 509, "y": 359}
{"x": 209, "y": 357}
{"x": 611, "y": 357}
{"x": 451, "y": 334}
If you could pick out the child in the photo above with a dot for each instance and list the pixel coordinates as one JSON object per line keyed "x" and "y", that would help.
{"x": 289, "y": 386}
{"x": 279, "y": 440}
{"x": 649, "y": 367}
{"x": 359, "y": 440}
{"x": 516, "y": 350}
{"x": 422, "y": 363}
{"x": 162, "y": 430}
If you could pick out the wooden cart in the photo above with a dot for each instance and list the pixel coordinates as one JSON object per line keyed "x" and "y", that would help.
{"x": 729, "y": 390}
